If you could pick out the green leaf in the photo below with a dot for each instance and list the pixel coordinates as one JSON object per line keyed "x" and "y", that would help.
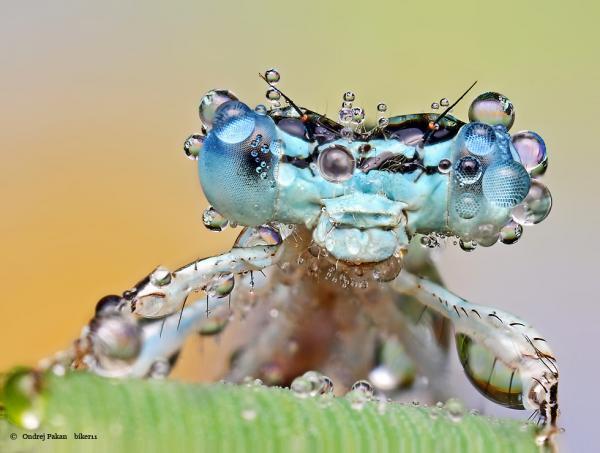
{"x": 163, "y": 416}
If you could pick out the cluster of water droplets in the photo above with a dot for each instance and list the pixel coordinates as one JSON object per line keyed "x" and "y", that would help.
{"x": 444, "y": 102}
{"x": 273, "y": 95}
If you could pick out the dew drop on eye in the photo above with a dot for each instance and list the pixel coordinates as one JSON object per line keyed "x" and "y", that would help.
{"x": 493, "y": 109}
{"x": 532, "y": 152}
{"x": 210, "y": 102}
{"x": 535, "y": 207}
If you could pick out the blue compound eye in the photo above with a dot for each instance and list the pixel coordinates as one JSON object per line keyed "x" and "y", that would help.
{"x": 480, "y": 138}
{"x": 468, "y": 170}
{"x": 506, "y": 184}
{"x": 237, "y": 165}
{"x": 234, "y": 122}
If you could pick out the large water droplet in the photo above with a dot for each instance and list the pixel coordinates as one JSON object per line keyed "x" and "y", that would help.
{"x": 272, "y": 75}
{"x": 349, "y": 96}
{"x": 493, "y": 109}
{"x": 444, "y": 102}
{"x": 234, "y": 122}
{"x": 192, "y": 146}
{"x": 301, "y": 386}
{"x": 511, "y": 232}
{"x": 24, "y": 398}
{"x": 435, "y": 105}
{"x": 211, "y": 102}
{"x": 532, "y": 151}
{"x": 381, "y": 107}
{"x": 161, "y": 276}
{"x": 220, "y": 285}
{"x": 535, "y": 207}
{"x": 213, "y": 220}
{"x": 261, "y": 235}
{"x": 115, "y": 338}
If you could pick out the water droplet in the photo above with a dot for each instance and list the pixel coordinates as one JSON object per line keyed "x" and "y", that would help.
{"x": 161, "y": 276}
{"x": 383, "y": 378}
{"x": 115, "y": 339}
{"x": 468, "y": 170}
{"x": 532, "y": 151}
{"x": 272, "y": 75}
{"x": 260, "y": 109}
{"x": 345, "y": 115}
{"x": 214, "y": 324}
{"x": 347, "y": 133}
{"x": 444, "y": 166}
{"x": 467, "y": 246}
{"x": 535, "y": 207}
{"x": 220, "y": 285}
{"x": 234, "y": 122}
{"x": 24, "y": 398}
{"x": 349, "y": 96}
{"x": 213, "y": 220}
{"x": 211, "y": 102}
{"x": 249, "y": 414}
{"x": 358, "y": 115}
{"x": 192, "y": 146}
{"x": 455, "y": 410}
{"x": 435, "y": 105}
{"x": 363, "y": 386}
{"x": 58, "y": 369}
{"x": 381, "y": 107}
{"x": 301, "y": 386}
{"x": 273, "y": 95}
{"x": 511, "y": 232}
{"x": 160, "y": 369}
{"x": 493, "y": 109}
{"x": 261, "y": 235}
{"x": 383, "y": 122}
{"x": 444, "y": 102}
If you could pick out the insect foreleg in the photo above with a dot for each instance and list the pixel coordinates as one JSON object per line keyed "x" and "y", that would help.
{"x": 163, "y": 293}
{"x": 504, "y": 357}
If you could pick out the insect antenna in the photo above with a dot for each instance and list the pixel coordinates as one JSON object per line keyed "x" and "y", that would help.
{"x": 444, "y": 113}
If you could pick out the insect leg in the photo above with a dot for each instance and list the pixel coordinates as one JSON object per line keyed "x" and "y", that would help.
{"x": 522, "y": 371}
{"x": 163, "y": 293}
{"x": 140, "y": 333}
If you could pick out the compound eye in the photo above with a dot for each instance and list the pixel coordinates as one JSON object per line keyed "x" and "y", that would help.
{"x": 468, "y": 170}
{"x": 336, "y": 164}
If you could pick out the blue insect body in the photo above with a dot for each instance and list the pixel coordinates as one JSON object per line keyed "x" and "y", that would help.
{"x": 366, "y": 196}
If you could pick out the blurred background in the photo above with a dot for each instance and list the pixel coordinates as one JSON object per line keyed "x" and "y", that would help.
{"x": 98, "y": 97}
